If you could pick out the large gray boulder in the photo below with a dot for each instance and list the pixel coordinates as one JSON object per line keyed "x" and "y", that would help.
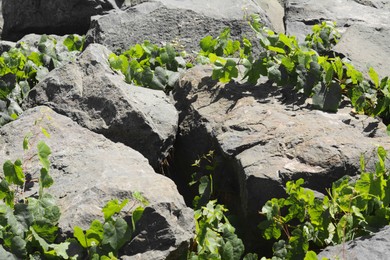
{"x": 375, "y": 247}
{"x": 265, "y": 141}
{"x": 185, "y": 22}
{"x": 60, "y": 17}
{"x": 364, "y": 25}
{"x": 89, "y": 170}
{"x": 92, "y": 94}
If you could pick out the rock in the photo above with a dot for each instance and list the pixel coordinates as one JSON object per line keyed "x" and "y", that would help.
{"x": 363, "y": 24}
{"x": 275, "y": 13}
{"x": 375, "y": 246}
{"x": 90, "y": 93}
{"x": 89, "y": 170}
{"x": 265, "y": 142}
{"x": 301, "y": 15}
{"x": 22, "y": 17}
{"x": 185, "y": 22}
{"x": 366, "y": 47}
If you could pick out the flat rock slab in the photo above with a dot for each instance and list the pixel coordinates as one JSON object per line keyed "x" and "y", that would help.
{"x": 167, "y": 21}
{"x": 366, "y": 47}
{"x": 266, "y": 143}
{"x": 89, "y": 170}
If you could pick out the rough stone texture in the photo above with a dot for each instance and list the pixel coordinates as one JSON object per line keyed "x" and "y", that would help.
{"x": 364, "y": 25}
{"x": 266, "y": 142}
{"x": 301, "y": 15}
{"x": 186, "y": 22}
{"x": 275, "y": 12}
{"x": 22, "y": 17}
{"x": 367, "y": 47}
{"x": 89, "y": 170}
{"x": 369, "y": 247}
{"x": 89, "y": 92}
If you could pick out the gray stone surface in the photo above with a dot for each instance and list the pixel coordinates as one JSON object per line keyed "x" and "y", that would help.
{"x": 367, "y": 46}
{"x": 185, "y": 22}
{"x": 22, "y": 17}
{"x": 364, "y": 25}
{"x": 301, "y": 15}
{"x": 90, "y": 93}
{"x": 266, "y": 142}
{"x": 89, "y": 170}
{"x": 370, "y": 247}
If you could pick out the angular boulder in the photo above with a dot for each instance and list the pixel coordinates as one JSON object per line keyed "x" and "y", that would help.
{"x": 364, "y": 25}
{"x": 59, "y": 17}
{"x": 166, "y": 21}
{"x": 92, "y": 94}
{"x": 89, "y": 170}
{"x": 264, "y": 141}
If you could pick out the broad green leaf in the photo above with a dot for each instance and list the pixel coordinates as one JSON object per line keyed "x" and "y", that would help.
{"x": 116, "y": 234}
{"x": 374, "y": 76}
{"x": 327, "y": 98}
{"x": 113, "y": 207}
{"x": 45, "y": 179}
{"x": 276, "y": 49}
{"x": 78, "y": 233}
{"x": 94, "y": 234}
{"x": 43, "y": 154}
{"x": 136, "y": 216}
{"x": 311, "y": 255}
{"x": 6, "y": 194}
{"x": 18, "y": 247}
{"x": 46, "y": 231}
{"x": 44, "y": 209}
{"x": 61, "y": 249}
{"x": 288, "y": 63}
{"x": 13, "y": 172}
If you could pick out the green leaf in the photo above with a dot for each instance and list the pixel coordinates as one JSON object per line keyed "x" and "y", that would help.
{"x": 136, "y": 216}
{"x": 113, "y": 207}
{"x": 43, "y": 154}
{"x": 116, "y": 234}
{"x": 327, "y": 98}
{"x": 45, "y": 179}
{"x": 13, "y": 172}
{"x": 78, "y": 233}
{"x": 18, "y": 246}
{"x": 276, "y": 49}
{"x": 374, "y": 76}
{"x": 311, "y": 255}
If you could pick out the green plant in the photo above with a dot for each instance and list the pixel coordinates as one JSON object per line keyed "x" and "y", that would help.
{"x": 351, "y": 209}
{"x": 150, "y": 66}
{"x": 29, "y": 224}
{"x": 215, "y": 236}
{"x": 22, "y": 67}
{"x": 310, "y": 68}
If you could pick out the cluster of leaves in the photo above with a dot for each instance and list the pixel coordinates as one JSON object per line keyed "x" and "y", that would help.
{"x": 351, "y": 209}
{"x": 29, "y": 225}
{"x": 22, "y": 67}
{"x": 215, "y": 236}
{"x": 103, "y": 240}
{"x": 310, "y": 68}
{"x": 150, "y": 66}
